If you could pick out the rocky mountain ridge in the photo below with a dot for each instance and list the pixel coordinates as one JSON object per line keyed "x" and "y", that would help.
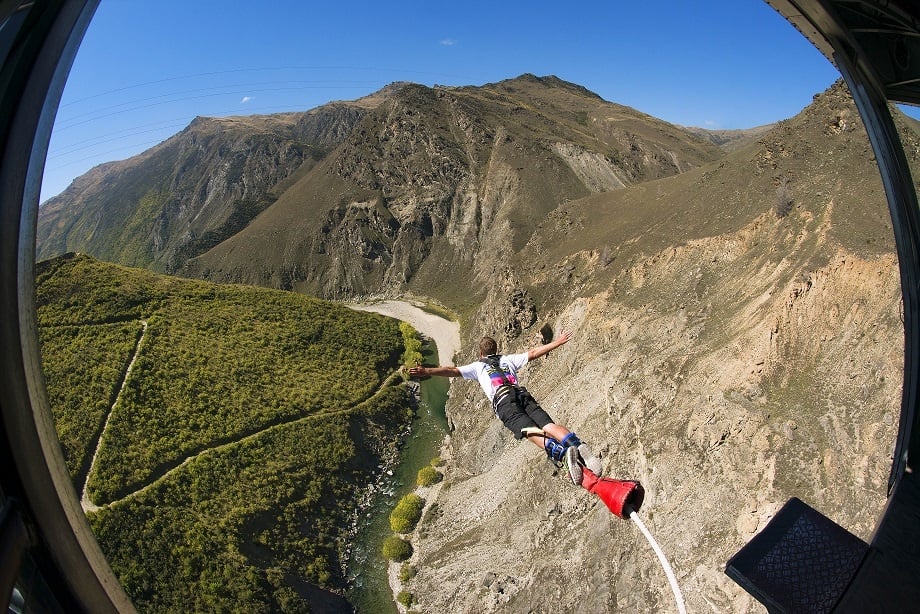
{"x": 432, "y": 175}
{"x": 349, "y": 187}
{"x": 728, "y": 361}
{"x": 192, "y": 191}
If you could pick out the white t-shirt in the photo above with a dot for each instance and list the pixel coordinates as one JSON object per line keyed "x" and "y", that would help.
{"x": 477, "y": 371}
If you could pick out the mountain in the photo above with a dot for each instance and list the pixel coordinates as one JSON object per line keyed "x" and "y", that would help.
{"x": 195, "y": 189}
{"x": 738, "y": 341}
{"x": 730, "y": 140}
{"x": 736, "y": 314}
{"x": 366, "y": 195}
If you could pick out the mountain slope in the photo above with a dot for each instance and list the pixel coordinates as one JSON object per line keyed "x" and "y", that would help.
{"x": 737, "y": 342}
{"x": 433, "y": 177}
{"x": 364, "y": 196}
{"x": 225, "y": 467}
{"x": 190, "y": 192}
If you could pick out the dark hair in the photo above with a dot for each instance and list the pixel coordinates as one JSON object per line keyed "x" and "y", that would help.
{"x": 487, "y": 346}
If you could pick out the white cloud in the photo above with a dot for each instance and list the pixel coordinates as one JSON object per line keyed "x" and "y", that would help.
{"x": 245, "y": 99}
{"x": 447, "y": 42}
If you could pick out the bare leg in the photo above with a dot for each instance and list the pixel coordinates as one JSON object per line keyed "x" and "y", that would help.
{"x": 556, "y": 431}
{"x": 538, "y": 438}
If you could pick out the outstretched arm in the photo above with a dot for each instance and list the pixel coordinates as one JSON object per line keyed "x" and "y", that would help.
{"x": 536, "y": 352}
{"x": 420, "y": 371}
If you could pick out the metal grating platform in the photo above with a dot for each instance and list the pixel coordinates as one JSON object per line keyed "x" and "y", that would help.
{"x": 801, "y": 562}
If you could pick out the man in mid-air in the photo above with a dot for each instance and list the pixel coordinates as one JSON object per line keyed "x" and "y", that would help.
{"x": 516, "y": 407}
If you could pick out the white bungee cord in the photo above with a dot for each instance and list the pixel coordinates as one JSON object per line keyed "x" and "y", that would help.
{"x": 678, "y": 596}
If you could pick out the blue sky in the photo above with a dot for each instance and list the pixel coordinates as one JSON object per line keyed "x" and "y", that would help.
{"x": 146, "y": 69}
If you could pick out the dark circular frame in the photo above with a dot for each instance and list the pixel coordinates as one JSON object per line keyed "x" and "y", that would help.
{"x": 47, "y": 549}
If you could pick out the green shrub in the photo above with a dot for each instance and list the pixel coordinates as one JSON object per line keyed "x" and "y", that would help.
{"x": 437, "y": 461}
{"x": 405, "y": 597}
{"x": 406, "y": 572}
{"x": 413, "y": 345}
{"x": 428, "y": 476}
{"x": 406, "y": 514}
{"x": 396, "y": 549}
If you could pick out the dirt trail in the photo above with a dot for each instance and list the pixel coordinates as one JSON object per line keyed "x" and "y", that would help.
{"x": 444, "y": 333}
{"x": 89, "y": 506}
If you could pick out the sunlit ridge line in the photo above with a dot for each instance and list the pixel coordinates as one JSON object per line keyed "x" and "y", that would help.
{"x": 240, "y": 70}
{"x": 174, "y": 122}
{"x": 89, "y": 144}
{"x": 218, "y": 115}
{"x": 246, "y": 88}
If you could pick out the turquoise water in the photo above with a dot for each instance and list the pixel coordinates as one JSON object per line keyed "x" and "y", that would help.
{"x": 370, "y": 592}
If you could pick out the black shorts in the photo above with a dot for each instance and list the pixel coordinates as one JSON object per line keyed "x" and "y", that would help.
{"x": 520, "y": 410}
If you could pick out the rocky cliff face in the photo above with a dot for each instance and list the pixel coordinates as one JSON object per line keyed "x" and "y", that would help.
{"x": 448, "y": 181}
{"x": 727, "y": 370}
{"x": 722, "y": 420}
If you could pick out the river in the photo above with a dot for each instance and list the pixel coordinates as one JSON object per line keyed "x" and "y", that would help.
{"x": 371, "y": 592}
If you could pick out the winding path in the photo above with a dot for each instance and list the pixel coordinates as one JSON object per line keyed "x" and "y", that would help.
{"x": 444, "y": 333}
{"x": 89, "y": 506}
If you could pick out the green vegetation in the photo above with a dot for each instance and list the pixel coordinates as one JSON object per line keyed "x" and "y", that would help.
{"x": 413, "y": 345}
{"x": 84, "y": 366}
{"x": 216, "y": 363}
{"x": 237, "y": 450}
{"x": 428, "y": 475}
{"x": 396, "y": 548}
{"x": 129, "y": 245}
{"x": 406, "y": 572}
{"x": 439, "y": 310}
{"x": 407, "y": 513}
{"x": 405, "y": 598}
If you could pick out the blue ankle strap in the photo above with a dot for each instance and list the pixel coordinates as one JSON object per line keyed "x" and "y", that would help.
{"x": 554, "y": 449}
{"x": 571, "y": 440}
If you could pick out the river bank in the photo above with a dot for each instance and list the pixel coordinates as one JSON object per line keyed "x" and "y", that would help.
{"x": 444, "y": 333}
{"x": 427, "y": 439}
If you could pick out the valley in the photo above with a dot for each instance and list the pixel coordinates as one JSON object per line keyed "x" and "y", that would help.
{"x": 219, "y": 455}
{"x": 736, "y": 314}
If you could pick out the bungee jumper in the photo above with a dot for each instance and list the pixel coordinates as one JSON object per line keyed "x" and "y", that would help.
{"x": 520, "y": 412}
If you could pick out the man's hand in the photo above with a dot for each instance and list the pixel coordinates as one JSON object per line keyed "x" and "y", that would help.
{"x": 543, "y": 350}
{"x": 418, "y": 371}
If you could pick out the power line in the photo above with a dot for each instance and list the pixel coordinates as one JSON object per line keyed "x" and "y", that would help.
{"x": 66, "y": 126}
{"x": 246, "y": 87}
{"x": 401, "y": 71}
